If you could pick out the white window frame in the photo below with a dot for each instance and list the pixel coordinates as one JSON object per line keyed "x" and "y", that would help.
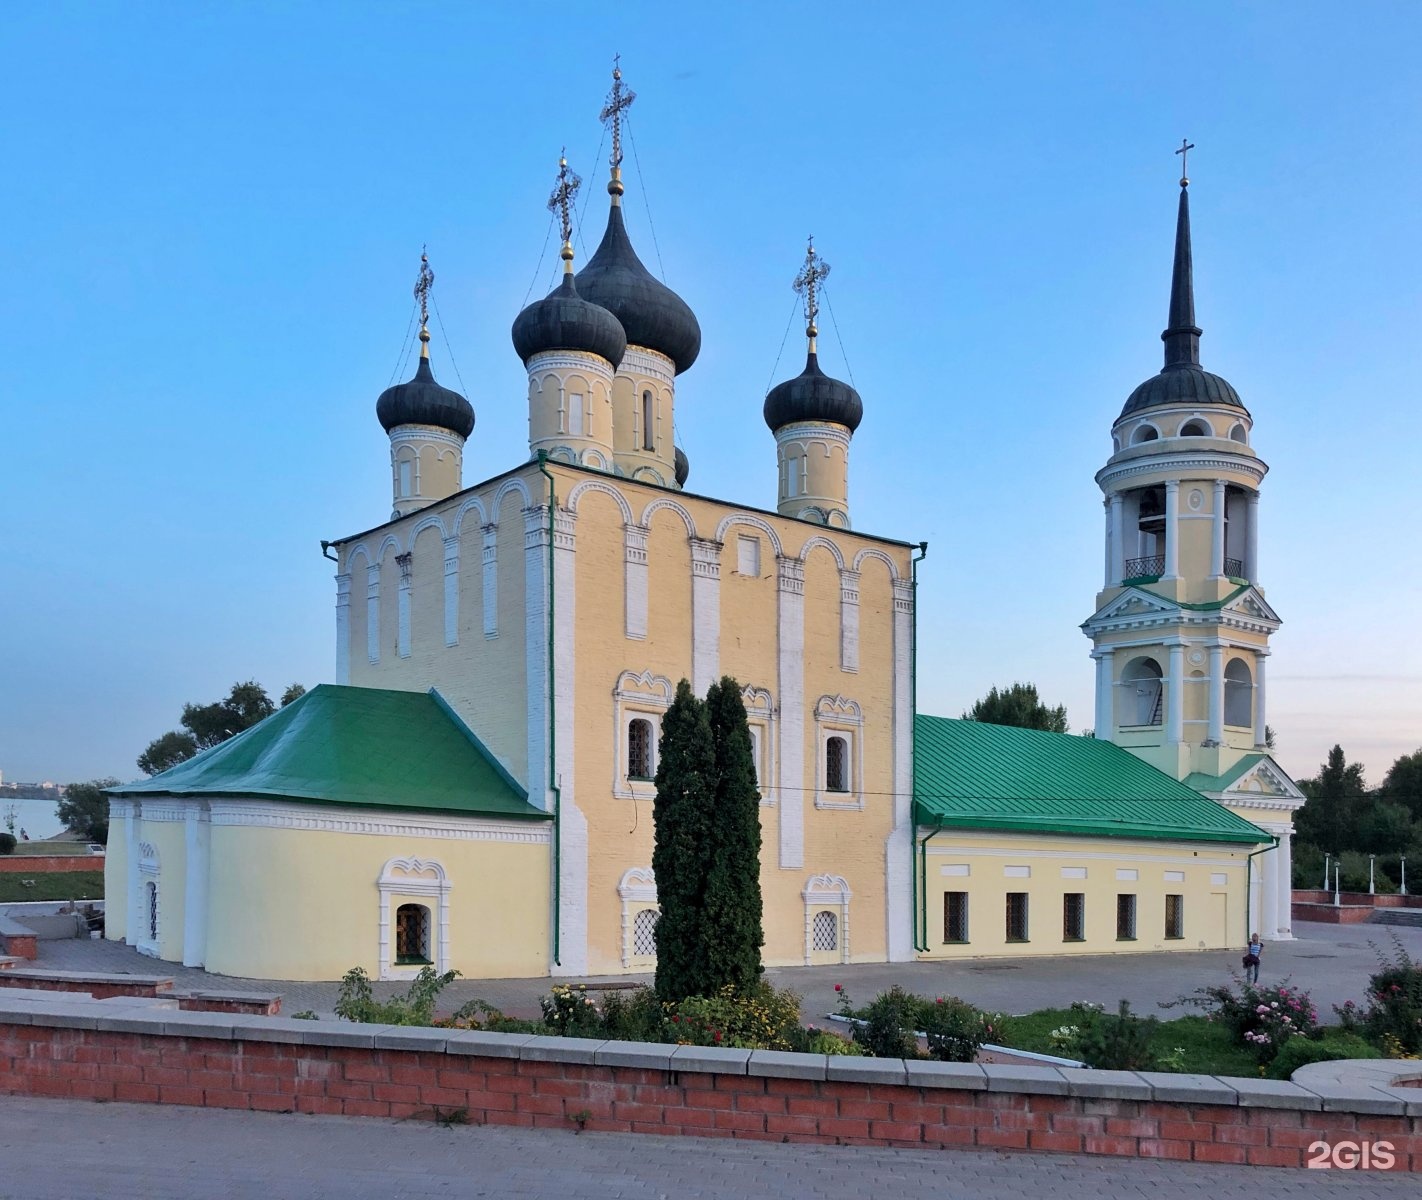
{"x": 638, "y": 892}
{"x": 415, "y": 880}
{"x": 150, "y": 871}
{"x": 646, "y": 696}
{"x": 761, "y": 717}
{"x": 575, "y": 414}
{"x": 837, "y": 716}
{"x": 748, "y": 555}
{"x": 826, "y": 892}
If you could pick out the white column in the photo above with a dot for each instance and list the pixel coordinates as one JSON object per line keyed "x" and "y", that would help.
{"x": 489, "y": 565}
{"x": 849, "y": 620}
{"x": 197, "y": 833}
{"x": 1251, "y": 539}
{"x": 1260, "y": 717}
{"x": 536, "y": 636}
{"x": 133, "y": 920}
{"x": 402, "y": 623}
{"x": 1105, "y": 693}
{"x": 372, "y": 612}
{"x": 1217, "y": 531}
{"x": 1172, "y": 530}
{"x": 343, "y": 629}
{"x": 898, "y": 848}
{"x": 705, "y": 614}
{"x": 451, "y": 591}
{"x": 1217, "y": 694}
{"x": 1269, "y": 895}
{"x": 1175, "y": 701}
{"x": 1118, "y": 540}
{"x": 634, "y": 550}
{"x": 790, "y": 639}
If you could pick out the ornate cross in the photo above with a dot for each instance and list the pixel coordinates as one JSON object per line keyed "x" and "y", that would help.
{"x": 619, "y": 100}
{"x": 423, "y": 283}
{"x": 807, "y": 282}
{"x": 561, "y": 200}
{"x": 1186, "y": 145}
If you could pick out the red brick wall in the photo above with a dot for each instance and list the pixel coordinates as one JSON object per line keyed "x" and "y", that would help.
{"x": 96, "y": 989}
{"x": 39, "y": 864}
{"x": 100, "y": 1065}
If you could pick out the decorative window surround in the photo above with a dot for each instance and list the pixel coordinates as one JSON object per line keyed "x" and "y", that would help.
{"x": 645, "y": 696}
{"x": 826, "y": 892}
{"x": 147, "y": 923}
{"x": 404, "y": 878}
{"x": 761, "y": 716}
{"x": 849, "y": 620}
{"x": 634, "y": 548}
{"x": 638, "y": 893}
{"x": 836, "y": 716}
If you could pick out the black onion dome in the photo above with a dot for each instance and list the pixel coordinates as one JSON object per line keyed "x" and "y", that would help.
{"x": 563, "y": 320}
{"x": 682, "y": 466}
{"x": 813, "y": 396}
{"x": 422, "y": 401}
{"x": 1182, "y": 385}
{"x": 652, "y": 315}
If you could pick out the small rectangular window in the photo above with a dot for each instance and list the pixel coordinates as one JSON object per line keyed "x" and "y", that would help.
{"x": 1126, "y": 917}
{"x": 1174, "y": 917}
{"x": 748, "y": 556}
{"x": 1074, "y": 917}
{"x": 639, "y": 749}
{"x": 1016, "y": 916}
{"x": 836, "y": 765}
{"x": 649, "y": 441}
{"x": 407, "y": 485}
{"x": 575, "y": 414}
{"x": 955, "y": 916}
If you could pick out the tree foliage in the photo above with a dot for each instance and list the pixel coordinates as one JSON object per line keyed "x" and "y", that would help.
{"x": 85, "y": 809}
{"x": 1019, "y": 706}
{"x": 1403, "y": 784}
{"x": 1336, "y": 800}
{"x": 207, "y": 725}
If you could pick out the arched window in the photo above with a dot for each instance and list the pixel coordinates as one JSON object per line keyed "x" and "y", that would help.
{"x": 639, "y": 749}
{"x": 1238, "y": 434}
{"x": 1142, "y": 695}
{"x": 836, "y": 764}
{"x": 1238, "y": 694}
{"x": 1194, "y": 429}
{"x": 644, "y": 933}
{"x": 825, "y": 930}
{"x": 1144, "y": 433}
{"x": 151, "y": 895}
{"x": 412, "y": 934}
{"x": 649, "y": 441}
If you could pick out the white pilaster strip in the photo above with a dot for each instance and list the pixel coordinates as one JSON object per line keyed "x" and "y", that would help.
{"x": 574, "y": 842}
{"x": 1217, "y": 532}
{"x": 372, "y": 612}
{"x": 849, "y": 620}
{"x": 1285, "y": 930}
{"x": 898, "y": 851}
{"x": 133, "y": 919}
{"x": 1251, "y": 541}
{"x": 634, "y": 543}
{"x": 790, "y": 638}
{"x": 1105, "y": 693}
{"x": 451, "y": 591}
{"x": 402, "y": 636}
{"x": 705, "y": 614}
{"x": 343, "y": 629}
{"x": 490, "y": 564}
{"x": 1217, "y": 693}
{"x": 535, "y": 634}
{"x": 1176, "y": 701}
{"x": 1118, "y": 540}
{"x": 1261, "y": 723}
{"x": 1172, "y": 529}
{"x": 197, "y": 833}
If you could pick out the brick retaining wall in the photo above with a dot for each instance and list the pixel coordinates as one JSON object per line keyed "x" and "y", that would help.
{"x": 79, "y": 1050}
{"x": 43, "y": 864}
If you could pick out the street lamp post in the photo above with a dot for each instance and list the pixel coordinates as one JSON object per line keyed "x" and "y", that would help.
{"x": 1327, "y": 858}
{"x": 1372, "y": 889}
{"x": 1337, "y": 894}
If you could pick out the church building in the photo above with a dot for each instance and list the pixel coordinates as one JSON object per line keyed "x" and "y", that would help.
{"x": 475, "y": 791}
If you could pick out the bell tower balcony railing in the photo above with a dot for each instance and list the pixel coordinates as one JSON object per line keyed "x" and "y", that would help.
{"x": 1152, "y": 566}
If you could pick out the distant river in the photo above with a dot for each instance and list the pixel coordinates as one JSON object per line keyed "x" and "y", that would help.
{"x": 35, "y": 817}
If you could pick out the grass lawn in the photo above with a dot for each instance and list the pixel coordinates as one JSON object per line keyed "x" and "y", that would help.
{"x": 1207, "y": 1047}
{"x": 52, "y": 885}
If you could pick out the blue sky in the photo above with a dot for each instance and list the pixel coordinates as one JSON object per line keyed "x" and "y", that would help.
{"x": 213, "y": 213}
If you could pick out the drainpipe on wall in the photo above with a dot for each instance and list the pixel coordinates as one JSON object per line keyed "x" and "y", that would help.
{"x": 921, "y": 917}
{"x": 1248, "y": 885}
{"x": 919, "y": 943}
{"x": 553, "y": 726}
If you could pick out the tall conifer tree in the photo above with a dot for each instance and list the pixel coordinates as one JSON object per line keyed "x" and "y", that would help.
{"x": 732, "y": 923}
{"x": 686, "y": 779}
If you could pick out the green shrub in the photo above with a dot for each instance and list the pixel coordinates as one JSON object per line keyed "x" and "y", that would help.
{"x": 480, "y": 1014}
{"x": 1298, "y": 1052}
{"x": 764, "y": 1019}
{"x": 1119, "y": 1041}
{"x": 570, "y": 1012}
{"x": 634, "y": 1016}
{"x": 1260, "y": 1019}
{"x": 415, "y": 1007}
{"x": 955, "y": 1029}
{"x": 889, "y": 1024}
{"x": 7, "y": 843}
{"x": 1392, "y": 1019}
{"x": 813, "y": 1040}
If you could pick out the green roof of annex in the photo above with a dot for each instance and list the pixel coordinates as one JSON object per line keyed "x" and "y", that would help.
{"x": 368, "y": 747}
{"x": 971, "y": 775}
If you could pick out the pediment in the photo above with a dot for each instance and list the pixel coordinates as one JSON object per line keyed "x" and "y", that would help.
{"x": 1266, "y": 782}
{"x": 1134, "y": 604}
{"x": 1252, "y": 606}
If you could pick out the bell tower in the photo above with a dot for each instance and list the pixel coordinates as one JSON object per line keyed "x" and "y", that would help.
{"x": 1181, "y": 630}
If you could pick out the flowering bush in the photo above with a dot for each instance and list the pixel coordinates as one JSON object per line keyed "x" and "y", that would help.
{"x": 955, "y": 1029}
{"x": 1260, "y": 1019}
{"x": 1119, "y": 1041}
{"x": 764, "y": 1019}
{"x": 1394, "y": 1009}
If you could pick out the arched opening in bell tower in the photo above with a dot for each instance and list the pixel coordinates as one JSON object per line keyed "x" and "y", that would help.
{"x": 1238, "y": 694}
{"x": 1142, "y": 693}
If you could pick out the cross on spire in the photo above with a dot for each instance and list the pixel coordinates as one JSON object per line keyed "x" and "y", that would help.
{"x": 1186, "y": 145}
{"x": 619, "y": 100}
{"x": 807, "y": 284}
{"x": 423, "y": 282}
{"x": 561, "y": 200}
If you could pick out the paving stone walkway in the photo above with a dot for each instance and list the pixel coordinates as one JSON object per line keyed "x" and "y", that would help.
{"x": 71, "y": 1150}
{"x": 1332, "y": 962}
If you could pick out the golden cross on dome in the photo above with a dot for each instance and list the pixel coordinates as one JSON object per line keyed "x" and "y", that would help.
{"x": 561, "y": 200}
{"x": 1186, "y": 145}
{"x": 619, "y": 100}
{"x": 807, "y": 284}
{"x": 423, "y": 283}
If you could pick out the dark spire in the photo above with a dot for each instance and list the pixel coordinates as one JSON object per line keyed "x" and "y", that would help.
{"x": 1182, "y": 337}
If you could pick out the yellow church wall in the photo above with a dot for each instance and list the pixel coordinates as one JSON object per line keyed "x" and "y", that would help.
{"x": 1212, "y": 887}
{"x": 304, "y": 904}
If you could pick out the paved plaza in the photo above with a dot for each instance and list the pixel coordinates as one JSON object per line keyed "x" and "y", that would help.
{"x": 1332, "y": 962}
{"x": 72, "y": 1150}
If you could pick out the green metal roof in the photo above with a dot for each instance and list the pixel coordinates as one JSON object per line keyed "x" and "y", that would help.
{"x": 971, "y": 775}
{"x": 1202, "y": 782}
{"x": 356, "y": 746}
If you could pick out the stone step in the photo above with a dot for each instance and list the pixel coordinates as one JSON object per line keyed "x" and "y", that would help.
{"x": 1398, "y": 916}
{"x": 9, "y": 962}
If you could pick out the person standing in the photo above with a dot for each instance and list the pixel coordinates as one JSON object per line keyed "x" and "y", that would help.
{"x": 1251, "y": 959}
